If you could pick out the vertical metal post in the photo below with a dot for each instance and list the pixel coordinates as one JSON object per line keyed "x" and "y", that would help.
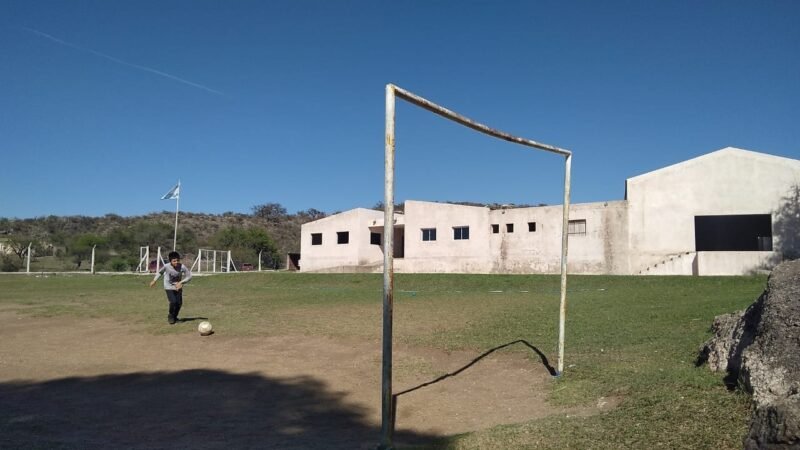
{"x": 28, "y": 266}
{"x": 564, "y": 243}
{"x": 259, "y": 260}
{"x": 177, "y": 207}
{"x": 92, "y": 266}
{"x": 387, "y": 410}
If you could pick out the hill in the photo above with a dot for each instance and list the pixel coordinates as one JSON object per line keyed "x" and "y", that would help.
{"x": 118, "y": 236}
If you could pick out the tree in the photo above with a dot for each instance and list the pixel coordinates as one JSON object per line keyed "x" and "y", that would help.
{"x": 311, "y": 214}
{"x": 787, "y": 224}
{"x": 262, "y": 244}
{"x": 81, "y": 248}
{"x": 19, "y": 244}
{"x": 246, "y": 244}
{"x": 380, "y": 206}
{"x": 272, "y": 212}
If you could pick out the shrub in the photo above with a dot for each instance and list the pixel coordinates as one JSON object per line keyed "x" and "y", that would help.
{"x": 9, "y": 263}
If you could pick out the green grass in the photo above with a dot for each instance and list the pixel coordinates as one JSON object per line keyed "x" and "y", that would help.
{"x": 632, "y": 338}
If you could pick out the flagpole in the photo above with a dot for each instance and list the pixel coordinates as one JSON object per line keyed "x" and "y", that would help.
{"x": 177, "y": 207}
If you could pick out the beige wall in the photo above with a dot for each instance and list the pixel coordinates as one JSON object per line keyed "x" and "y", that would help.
{"x": 356, "y": 252}
{"x": 732, "y": 263}
{"x": 651, "y": 232}
{"x": 446, "y": 254}
{"x": 600, "y": 250}
{"x": 662, "y": 204}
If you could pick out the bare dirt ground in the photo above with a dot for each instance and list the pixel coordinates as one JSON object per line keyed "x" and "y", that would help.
{"x": 74, "y": 383}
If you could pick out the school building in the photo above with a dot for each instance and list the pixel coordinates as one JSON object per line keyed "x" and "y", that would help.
{"x": 723, "y": 213}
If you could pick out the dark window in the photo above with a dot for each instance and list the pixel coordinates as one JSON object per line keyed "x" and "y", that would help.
{"x": 577, "y": 227}
{"x": 495, "y": 228}
{"x": 342, "y": 237}
{"x": 746, "y": 232}
{"x": 460, "y": 233}
{"x": 509, "y": 228}
{"x": 316, "y": 238}
{"x": 429, "y": 234}
{"x": 531, "y": 226}
{"x": 375, "y": 238}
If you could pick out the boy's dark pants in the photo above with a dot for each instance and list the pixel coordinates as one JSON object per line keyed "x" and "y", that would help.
{"x": 175, "y": 302}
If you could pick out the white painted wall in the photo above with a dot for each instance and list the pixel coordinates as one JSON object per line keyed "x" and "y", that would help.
{"x": 662, "y": 204}
{"x": 329, "y": 255}
{"x": 446, "y": 254}
{"x": 733, "y": 263}
{"x": 651, "y": 232}
{"x": 600, "y": 250}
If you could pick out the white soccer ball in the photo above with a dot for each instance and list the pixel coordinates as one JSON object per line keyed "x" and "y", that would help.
{"x": 204, "y": 328}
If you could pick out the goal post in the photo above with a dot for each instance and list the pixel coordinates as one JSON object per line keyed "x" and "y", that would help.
{"x": 213, "y": 261}
{"x": 393, "y": 92}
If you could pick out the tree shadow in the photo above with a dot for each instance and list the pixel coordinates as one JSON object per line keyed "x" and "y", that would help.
{"x": 786, "y": 227}
{"x": 199, "y": 409}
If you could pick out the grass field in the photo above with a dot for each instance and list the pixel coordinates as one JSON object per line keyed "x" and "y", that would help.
{"x": 630, "y": 338}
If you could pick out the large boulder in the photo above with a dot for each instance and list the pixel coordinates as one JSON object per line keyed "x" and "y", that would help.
{"x": 759, "y": 348}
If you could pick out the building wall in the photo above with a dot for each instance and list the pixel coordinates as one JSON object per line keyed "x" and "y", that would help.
{"x": 732, "y": 263}
{"x": 329, "y": 255}
{"x": 650, "y": 232}
{"x": 600, "y": 249}
{"x": 445, "y": 254}
{"x": 662, "y": 204}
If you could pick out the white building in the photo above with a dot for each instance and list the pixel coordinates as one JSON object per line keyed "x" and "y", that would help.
{"x": 723, "y": 213}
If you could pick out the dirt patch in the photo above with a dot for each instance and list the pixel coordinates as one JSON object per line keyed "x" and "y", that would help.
{"x": 71, "y": 382}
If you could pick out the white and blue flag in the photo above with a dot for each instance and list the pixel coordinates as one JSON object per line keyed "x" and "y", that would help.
{"x": 173, "y": 193}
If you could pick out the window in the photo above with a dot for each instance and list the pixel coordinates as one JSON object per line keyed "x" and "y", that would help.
{"x": 342, "y": 237}
{"x": 429, "y": 234}
{"x": 460, "y": 233}
{"x": 509, "y": 228}
{"x": 577, "y": 227}
{"x": 316, "y": 238}
{"x": 375, "y": 238}
{"x": 741, "y": 232}
{"x": 531, "y": 226}
{"x": 495, "y": 228}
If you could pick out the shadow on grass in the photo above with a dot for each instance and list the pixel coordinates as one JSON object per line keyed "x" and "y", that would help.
{"x": 185, "y": 409}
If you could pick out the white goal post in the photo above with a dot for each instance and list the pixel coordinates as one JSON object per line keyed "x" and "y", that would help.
{"x": 392, "y": 91}
{"x": 144, "y": 259}
{"x": 213, "y": 261}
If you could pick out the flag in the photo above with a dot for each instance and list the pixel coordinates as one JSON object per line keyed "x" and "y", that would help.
{"x": 173, "y": 193}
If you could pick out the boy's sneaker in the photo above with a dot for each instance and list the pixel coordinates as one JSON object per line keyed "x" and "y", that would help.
{"x": 171, "y": 320}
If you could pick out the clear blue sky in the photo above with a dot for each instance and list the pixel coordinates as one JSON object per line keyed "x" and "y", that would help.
{"x": 105, "y": 104}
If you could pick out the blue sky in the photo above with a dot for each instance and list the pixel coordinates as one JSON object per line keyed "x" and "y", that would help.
{"x": 104, "y": 105}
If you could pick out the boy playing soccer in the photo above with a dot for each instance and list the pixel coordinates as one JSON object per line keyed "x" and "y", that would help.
{"x": 175, "y": 276}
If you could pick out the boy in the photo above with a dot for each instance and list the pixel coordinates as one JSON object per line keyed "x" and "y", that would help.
{"x": 175, "y": 276}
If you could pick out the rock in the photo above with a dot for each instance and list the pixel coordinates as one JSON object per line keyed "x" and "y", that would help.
{"x": 759, "y": 349}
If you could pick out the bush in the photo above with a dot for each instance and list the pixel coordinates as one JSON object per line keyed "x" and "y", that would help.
{"x": 120, "y": 264}
{"x": 9, "y": 263}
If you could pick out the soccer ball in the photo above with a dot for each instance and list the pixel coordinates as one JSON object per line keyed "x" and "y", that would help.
{"x": 204, "y": 328}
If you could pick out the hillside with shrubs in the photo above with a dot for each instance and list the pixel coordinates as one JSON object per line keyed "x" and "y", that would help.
{"x": 66, "y": 242}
